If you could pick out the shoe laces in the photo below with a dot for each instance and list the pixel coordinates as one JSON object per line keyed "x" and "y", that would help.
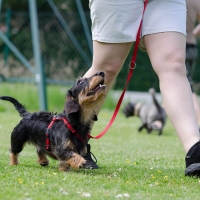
{"x": 90, "y": 155}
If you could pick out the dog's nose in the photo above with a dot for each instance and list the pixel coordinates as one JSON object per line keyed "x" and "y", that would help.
{"x": 101, "y": 74}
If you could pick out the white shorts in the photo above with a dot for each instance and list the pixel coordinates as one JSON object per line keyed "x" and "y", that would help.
{"x": 117, "y": 21}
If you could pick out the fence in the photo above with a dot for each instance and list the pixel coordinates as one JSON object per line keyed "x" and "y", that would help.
{"x": 61, "y": 59}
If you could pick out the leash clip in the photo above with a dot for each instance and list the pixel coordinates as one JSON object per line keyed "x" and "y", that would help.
{"x": 55, "y": 117}
{"x": 132, "y": 65}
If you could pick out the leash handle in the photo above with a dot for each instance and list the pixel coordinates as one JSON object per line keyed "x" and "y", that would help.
{"x": 131, "y": 69}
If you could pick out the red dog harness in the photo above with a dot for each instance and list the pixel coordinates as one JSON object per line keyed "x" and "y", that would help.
{"x": 67, "y": 124}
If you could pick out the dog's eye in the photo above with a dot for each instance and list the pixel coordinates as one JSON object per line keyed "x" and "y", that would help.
{"x": 79, "y": 82}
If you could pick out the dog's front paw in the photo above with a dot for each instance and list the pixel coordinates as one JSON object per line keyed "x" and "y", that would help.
{"x": 63, "y": 166}
{"x": 76, "y": 161}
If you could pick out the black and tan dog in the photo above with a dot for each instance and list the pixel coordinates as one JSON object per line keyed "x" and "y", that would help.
{"x": 67, "y": 132}
{"x": 153, "y": 116}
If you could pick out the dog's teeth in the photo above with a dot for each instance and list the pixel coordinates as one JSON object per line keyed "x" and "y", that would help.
{"x": 100, "y": 85}
{"x": 96, "y": 89}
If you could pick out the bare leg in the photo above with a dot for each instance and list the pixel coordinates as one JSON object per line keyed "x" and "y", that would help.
{"x": 109, "y": 58}
{"x": 197, "y": 107}
{"x": 167, "y": 55}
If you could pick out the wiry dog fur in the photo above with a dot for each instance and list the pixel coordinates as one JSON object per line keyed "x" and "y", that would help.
{"x": 153, "y": 116}
{"x": 81, "y": 101}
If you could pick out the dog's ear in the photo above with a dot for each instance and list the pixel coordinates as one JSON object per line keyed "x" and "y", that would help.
{"x": 71, "y": 106}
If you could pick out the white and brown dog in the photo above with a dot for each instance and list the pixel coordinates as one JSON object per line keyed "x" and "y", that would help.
{"x": 153, "y": 116}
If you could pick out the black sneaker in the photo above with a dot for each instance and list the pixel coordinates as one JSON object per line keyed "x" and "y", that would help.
{"x": 192, "y": 161}
{"x": 90, "y": 163}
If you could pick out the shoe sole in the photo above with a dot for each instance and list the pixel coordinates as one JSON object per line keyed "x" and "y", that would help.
{"x": 91, "y": 167}
{"x": 193, "y": 170}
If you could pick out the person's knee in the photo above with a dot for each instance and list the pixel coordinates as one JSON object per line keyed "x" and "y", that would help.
{"x": 173, "y": 63}
{"x": 177, "y": 64}
{"x": 111, "y": 69}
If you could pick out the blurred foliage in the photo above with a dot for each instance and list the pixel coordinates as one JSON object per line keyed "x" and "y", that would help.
{"x": 22, "y": 5}
{"x": 60, "y": 57}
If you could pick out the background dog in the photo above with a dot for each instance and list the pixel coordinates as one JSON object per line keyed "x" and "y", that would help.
{"x": 153, "y": 116}
{"x": 65, "y": 146}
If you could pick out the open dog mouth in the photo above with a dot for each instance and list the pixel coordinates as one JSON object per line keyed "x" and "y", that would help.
{"x": 99, "y": 86}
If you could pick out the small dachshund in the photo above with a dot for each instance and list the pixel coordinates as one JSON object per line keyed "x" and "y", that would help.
{"x": 61, "y": 136}
{"x": 153, "y": 116}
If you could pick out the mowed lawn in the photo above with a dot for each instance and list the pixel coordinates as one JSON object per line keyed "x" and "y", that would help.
{"x": 132, "y": 165}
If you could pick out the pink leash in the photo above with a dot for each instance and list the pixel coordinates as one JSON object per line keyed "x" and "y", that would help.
{"x": 132, "y": 67}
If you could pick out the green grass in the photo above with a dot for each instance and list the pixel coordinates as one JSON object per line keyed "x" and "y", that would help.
{"x": 140, "y": 165}
{"x": 27, "y": 94}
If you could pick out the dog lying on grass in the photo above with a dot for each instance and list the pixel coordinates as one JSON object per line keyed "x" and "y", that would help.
{"x": 153, "y": 116}
{"x": 61, "y": 136}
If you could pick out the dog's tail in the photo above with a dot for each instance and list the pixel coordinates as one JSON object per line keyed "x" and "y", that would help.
{"x": 153, "y": 93}
{"x": 18, "y": 106}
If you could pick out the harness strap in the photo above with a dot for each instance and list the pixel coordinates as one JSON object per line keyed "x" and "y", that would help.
{"x": 67, "y": 124}
{"x": 47, "y": 134}
{"x": 131, "y": 68}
